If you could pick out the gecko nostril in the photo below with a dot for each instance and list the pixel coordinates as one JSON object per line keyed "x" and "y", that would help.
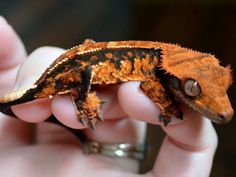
{"x": 222, "y": 117}
{"x": 225, "y": 117}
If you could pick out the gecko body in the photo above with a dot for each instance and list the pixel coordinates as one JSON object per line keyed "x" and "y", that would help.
{"x": 167, "y": 73}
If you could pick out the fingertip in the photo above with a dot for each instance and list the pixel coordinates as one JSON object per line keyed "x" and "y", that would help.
{"x": 33, "y": 112}
{"x": 31, "y": 70}
{"x": 111, "y": 108}
{"x": 136, "y": 104}
{"x": 2, "y": 20}
{"x": 12, "y": 51}
{"x": 64, "y": 111}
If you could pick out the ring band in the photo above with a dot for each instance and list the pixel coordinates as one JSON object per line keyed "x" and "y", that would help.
{"x": 127, "y": 150}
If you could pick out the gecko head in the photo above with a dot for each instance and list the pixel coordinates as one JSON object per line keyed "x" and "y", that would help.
{"x": 210, "y": 101}
{"x": 201, "y": 83}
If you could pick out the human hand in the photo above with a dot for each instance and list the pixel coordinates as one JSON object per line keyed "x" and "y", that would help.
{"x": 49, "y": 150}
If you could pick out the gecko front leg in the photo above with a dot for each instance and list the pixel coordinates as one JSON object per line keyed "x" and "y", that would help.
{"x": 87, "y": 103}
{"x": 157, "y": 93}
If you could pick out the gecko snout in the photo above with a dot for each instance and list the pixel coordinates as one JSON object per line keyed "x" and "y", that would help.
{"x": 225, "y": 117}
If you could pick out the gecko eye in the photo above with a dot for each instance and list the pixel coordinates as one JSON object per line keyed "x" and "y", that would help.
{"x": 191, "y": 88}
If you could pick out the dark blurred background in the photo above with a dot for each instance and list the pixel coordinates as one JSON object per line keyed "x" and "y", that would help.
{"x": 205, "y": 25}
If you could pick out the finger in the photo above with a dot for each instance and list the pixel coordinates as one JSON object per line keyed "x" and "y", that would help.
{"x": 14, "y": 132}
{"x": 12, "y": 53}
{"x": 116, "y": 128}
{"x": 190, "y": 143}
{"x": 107, "y": 132}
{"x": 51, "y": 133}
{"x": 188, "y": 149}
{"x": 12, "y": 50}
{"x": 37, "y": 62}
{"x": 136, "y": 104}
{"x": 116, "y": 132}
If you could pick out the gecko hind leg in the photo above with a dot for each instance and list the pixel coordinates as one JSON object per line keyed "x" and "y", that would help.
{"x": 157, "y": 93}
{"x": 87, "y": 103}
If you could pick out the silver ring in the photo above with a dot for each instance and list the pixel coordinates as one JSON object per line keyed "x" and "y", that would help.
{"x": 127, "y": 150}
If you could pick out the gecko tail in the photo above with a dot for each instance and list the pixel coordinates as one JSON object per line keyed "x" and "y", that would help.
{"x": 15, "y": 97}
{"x": 16, "y": 94}
{"x": 6, "y": 109}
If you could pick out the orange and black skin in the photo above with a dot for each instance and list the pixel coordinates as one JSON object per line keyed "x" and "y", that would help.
{"x": 106, "y": 63}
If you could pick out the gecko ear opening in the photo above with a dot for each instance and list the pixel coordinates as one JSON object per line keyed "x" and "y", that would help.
{"x": 191, "y": 88}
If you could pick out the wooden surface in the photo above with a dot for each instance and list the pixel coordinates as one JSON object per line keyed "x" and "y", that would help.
{"x": 205, "y": 25}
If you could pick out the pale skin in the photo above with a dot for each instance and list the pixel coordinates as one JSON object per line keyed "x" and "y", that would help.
{"x": 50, "y": 150}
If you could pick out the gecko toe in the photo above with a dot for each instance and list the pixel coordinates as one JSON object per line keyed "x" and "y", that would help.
{"x": 161, "y": 118}
{"x": 100, "y": 116}
{"x": 92, "y": 124}
{"x": 84, "y": 121}
{"x": 165, "y": 119}
{"x": 103, "y": 101}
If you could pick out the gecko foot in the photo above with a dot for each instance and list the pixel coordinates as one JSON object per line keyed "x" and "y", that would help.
{"x": 100, "y": 115}
{"x": 92, "y": 124}
{"x": 84, "y": 121}
{"x": 89, "y": 122}
{"x": 165, "y": 119}
{"x": 89, "y": 111}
